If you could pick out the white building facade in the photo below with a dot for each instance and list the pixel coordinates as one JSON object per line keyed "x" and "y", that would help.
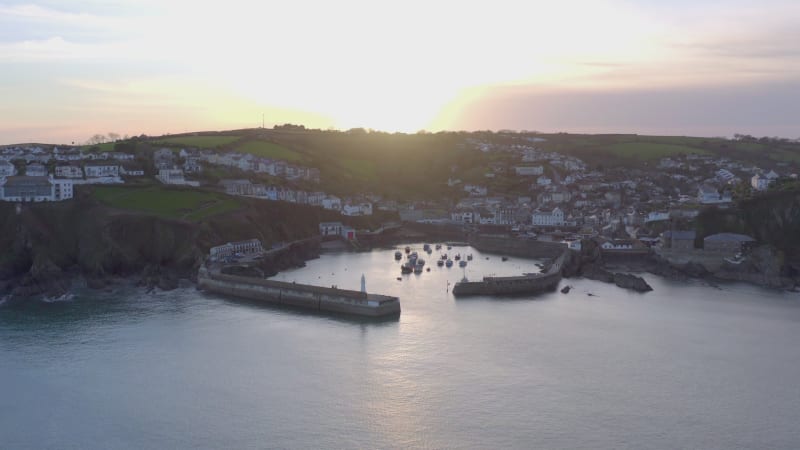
{"x": 552, "y": 218}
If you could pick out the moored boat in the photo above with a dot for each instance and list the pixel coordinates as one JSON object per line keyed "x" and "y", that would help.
{"x": 449, "y": 263}
{"x": 462, "y": 263}
{"x": 440, "y": 262}
{"x": 398, "y": 255}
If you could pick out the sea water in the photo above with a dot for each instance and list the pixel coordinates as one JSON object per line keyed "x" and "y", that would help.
{"x": 689, "y": 365}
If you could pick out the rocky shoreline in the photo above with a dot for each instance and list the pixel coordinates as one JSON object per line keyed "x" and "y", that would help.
{"x": 44, "y": 278}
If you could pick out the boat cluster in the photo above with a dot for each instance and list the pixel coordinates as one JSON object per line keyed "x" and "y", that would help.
{"x": 416, "y": 264}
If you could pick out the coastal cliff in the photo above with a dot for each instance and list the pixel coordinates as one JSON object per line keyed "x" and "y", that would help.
{"x": 48, "y": 247}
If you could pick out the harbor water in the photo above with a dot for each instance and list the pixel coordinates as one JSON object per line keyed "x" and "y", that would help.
{"x": 689, "y": 365}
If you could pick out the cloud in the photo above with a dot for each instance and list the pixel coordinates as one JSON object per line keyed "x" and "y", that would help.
{"x": 771, "y": 109}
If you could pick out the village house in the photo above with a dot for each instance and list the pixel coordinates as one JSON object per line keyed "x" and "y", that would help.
{"x": 357, "y": 209}
{"x": 130, "y": 169}
{"x": 529, "y": 170}
{"x": 759, "y": 182}
{"x": 544, "y": 181}
{"x": 35, "y": 189}
{"x": 171, "y": 176}
{"x": 622, "y": 245}
{"x": 163, "y": 158}
{"x": 192, "y": 165}
{"x": 69, "y": 171}
{"x": 119, "y": 156}
{"x": 100, "y": 171}
{"x": 237, "y": 187}
{"x": 552, "y": 218}
{"x": 316, "y": 198}
{"x": 35, "y": 170}
{"x": 250, "y": 248}
{"x": 464, "y": 216}
{"x": 332, "y": 202}
{"x": 707, "y": 195}
{"x": 330, "y": 228}
{"x": 7, "y": 169}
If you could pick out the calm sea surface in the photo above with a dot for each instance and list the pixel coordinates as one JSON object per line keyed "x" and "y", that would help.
{"x": 687, "y": 366}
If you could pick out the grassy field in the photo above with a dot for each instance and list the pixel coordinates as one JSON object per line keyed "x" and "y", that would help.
{"x": 171, "y": 203}
{"x": 104, "y": 147}
{"x": 645, "y": 151}
{"x": 361, "y": 169}
{"x": 270, "y": 150}
{"x": 199, "y": 141}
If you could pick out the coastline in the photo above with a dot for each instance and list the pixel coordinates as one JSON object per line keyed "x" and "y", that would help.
{"x": 46, "y": 280}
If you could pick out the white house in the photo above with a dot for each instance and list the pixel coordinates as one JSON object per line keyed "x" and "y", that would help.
{"x": 35, "y": 170}
{"x": 619, "y": 244}
{"x": 34, "y": 189}
{"x": 251, "y": 247}
{"x": 357, "y": 209}
{"x": 330, "y": 228}
{"x": 760, "y": 183}
{"x": 69, "y": 171}
{"x": 463, "y": 217}
{"x": 192, "y": 165}
{"x": 332, "y": 202}
{"x": 526, "y": 171}
{"x": 266, "y": 166}
{"x": 62, "y": 189}
{"x": 553, "y": 218}
{"x": 171, "y": 176}
{"x": 100, "y": 171}
{"x": 7, "y": 169}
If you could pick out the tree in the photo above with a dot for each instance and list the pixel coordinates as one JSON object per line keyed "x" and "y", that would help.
{"x": 96, "y": 139}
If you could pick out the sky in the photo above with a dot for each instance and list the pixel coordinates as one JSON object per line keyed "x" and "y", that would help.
{"x": 72, "y": 69}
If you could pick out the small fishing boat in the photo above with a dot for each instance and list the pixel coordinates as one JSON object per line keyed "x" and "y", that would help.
{"x": 462, "y": 263}
{"x": 440, "y": 262}
{"x": 449, "y": 263}
{"x": 397, "y": 255}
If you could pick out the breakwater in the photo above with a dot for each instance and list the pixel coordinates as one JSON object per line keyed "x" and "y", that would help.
{"x": 517, "y": 285}
{"x": 306, "y": 296}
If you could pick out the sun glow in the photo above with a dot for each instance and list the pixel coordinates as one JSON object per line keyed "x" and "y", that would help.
{"x": 153, "y": 66}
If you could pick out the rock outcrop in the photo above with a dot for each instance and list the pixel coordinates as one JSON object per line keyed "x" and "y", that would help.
{"x": 633, "y": 282}
{"x": 47, "y": 246}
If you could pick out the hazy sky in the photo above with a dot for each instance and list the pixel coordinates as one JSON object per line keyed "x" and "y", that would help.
{"x": 69, "y": 70}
